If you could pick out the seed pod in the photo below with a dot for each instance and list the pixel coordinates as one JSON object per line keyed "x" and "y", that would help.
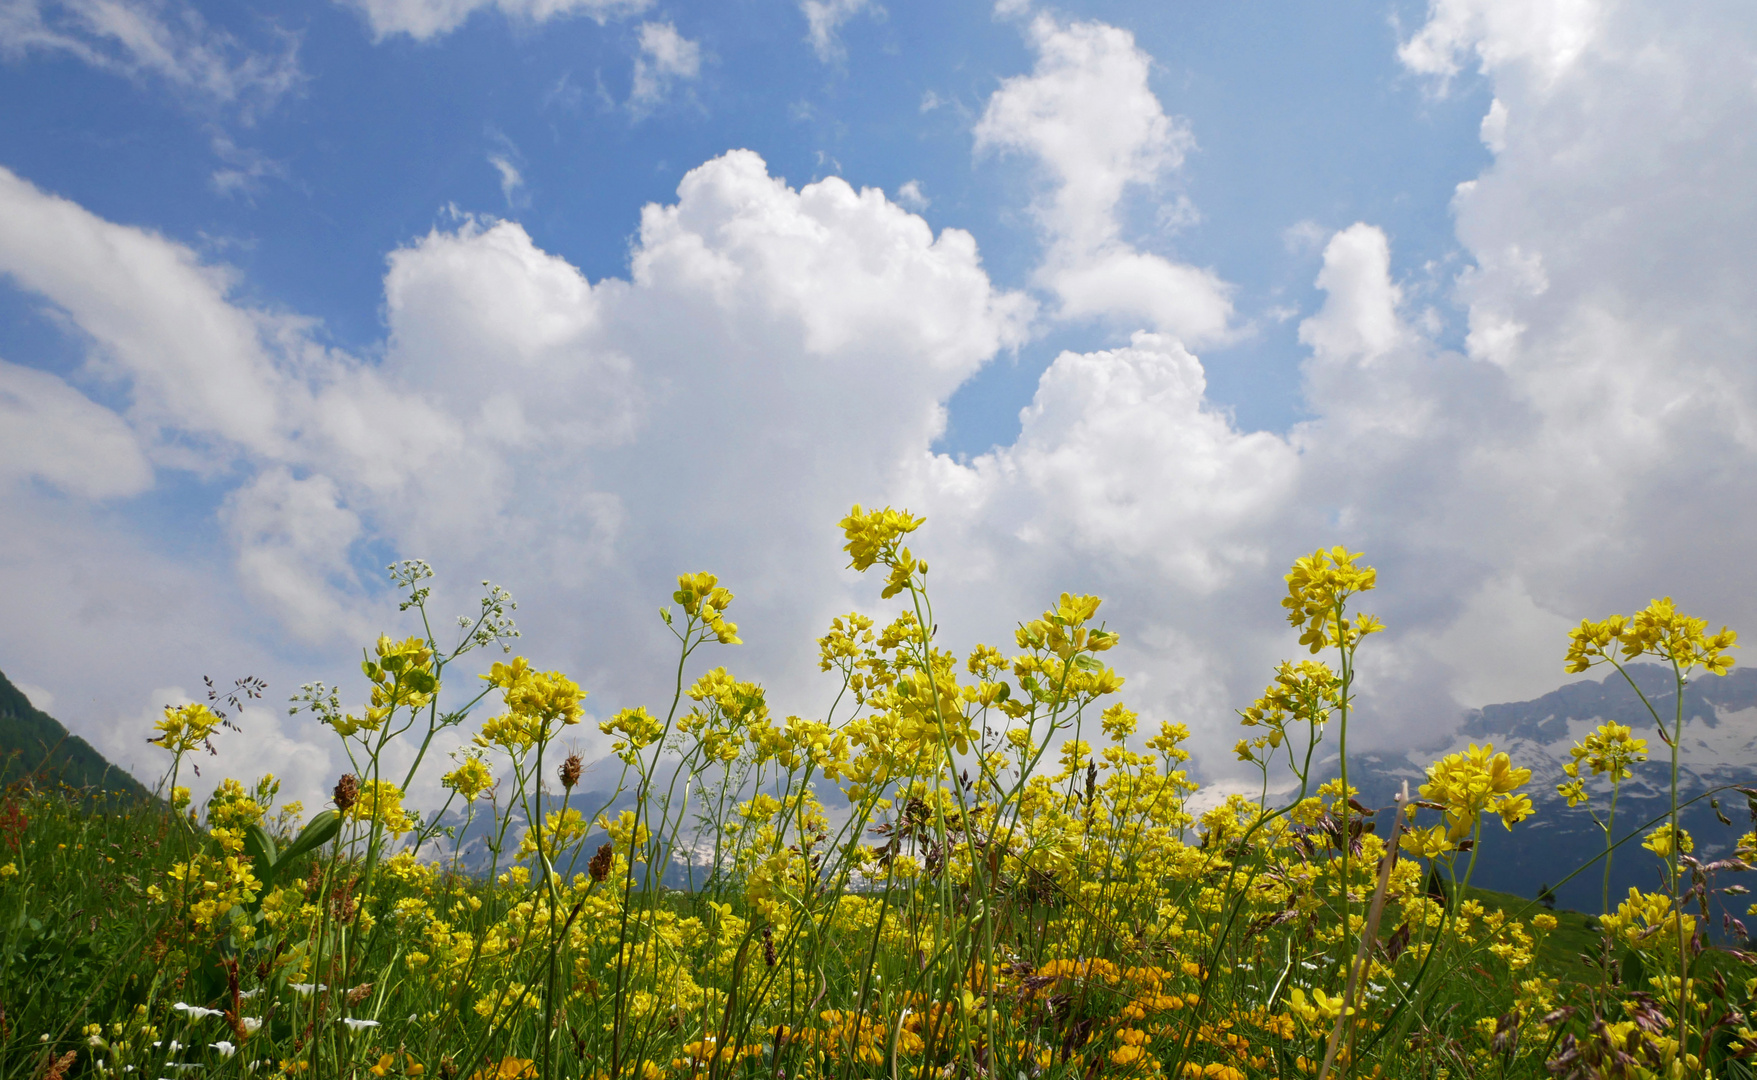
{"x": 570, "y": 771}
{"x": 347, "y": 791}
{"x": 599, "y": 867}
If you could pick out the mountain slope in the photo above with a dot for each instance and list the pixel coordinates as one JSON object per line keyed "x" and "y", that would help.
{"x": 35, "y": 744}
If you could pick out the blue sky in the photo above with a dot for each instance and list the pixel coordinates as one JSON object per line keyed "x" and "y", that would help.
{"x": 290, "y": 290}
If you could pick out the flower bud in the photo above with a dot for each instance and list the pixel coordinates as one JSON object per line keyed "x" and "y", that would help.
{"x": 570, "y": 771}
{"x": 599, "y": 867}
{"x": 347, "y": 791}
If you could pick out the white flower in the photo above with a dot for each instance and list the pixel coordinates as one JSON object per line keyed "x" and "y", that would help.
{"x": 304, "y": 989}
{"x": 224, "y": 1046}
{"x": 196, "y": 1012}
{"x": 248, "y": 994}
{"x": 252, "y": 1024}
{"x": 358, "y": 1025}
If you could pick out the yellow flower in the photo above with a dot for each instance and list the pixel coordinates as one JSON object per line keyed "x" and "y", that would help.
{"x": 1610, "y": 750}
{"x": 1474, "y": 782}
{"x": 1317, "y": 588}
{"x": 510, "y": 1068}
{"x": 635, "y": 728}
{"x": 381, "y": 801}
{"x": 185, "y": 727}
{"x": 1427, "y": 843}
{"x": 1659, "y": 630}
{"x": 702, "y": 597}
{"x": 470, "y": 779}
{"x": 1659, "y": 841}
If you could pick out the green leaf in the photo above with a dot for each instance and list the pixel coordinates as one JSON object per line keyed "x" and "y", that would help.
{"x": 260, "y": 846}
{"x": 318, "y": 832}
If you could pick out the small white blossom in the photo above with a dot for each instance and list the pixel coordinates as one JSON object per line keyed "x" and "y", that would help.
{"x": 196, "y": 1012}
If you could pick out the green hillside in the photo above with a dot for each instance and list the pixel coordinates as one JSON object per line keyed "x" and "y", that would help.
{"x": 34, "y": 744}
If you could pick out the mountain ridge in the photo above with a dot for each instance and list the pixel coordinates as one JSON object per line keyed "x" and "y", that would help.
{"x": 36, "y": 745}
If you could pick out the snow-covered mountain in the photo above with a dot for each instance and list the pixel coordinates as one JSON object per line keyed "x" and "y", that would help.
{"x": 1719, "y": 747}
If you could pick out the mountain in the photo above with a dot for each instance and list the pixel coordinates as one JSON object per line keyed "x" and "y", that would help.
{"x": 35, "y": 744}
{"x": 1719, "y": 747}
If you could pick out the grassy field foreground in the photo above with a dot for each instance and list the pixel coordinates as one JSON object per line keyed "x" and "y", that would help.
{"x": 1015, "y": 888}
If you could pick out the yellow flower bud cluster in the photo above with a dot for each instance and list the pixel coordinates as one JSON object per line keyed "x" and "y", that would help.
{"x": 1647, "y": 923}
{"x": 1660, "y": 631}
{"x": 471, "y": 778}
{"x": 185, "y": 727}
{"x": 402, "y": 676}
{"x": 542, "y": 696}
{"x": 1301, "y": 693}
{"x": 1466, "y": 786}
{"x": 1610, "y": 750}
{"x": 703, "y": 598}
{"x": 634, "y": 729}
{"x": 873, "y": 537}
{"x": 1317, "y": 588}
{"x": 1660, "y": 842}
{"x": 536, "y": 702}
{"x": 381, "y": 801}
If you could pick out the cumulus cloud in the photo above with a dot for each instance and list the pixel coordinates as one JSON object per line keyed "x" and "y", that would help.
{"x": 1088, "y": 117}
{"x": 666, "y": 58}
{"x": 1359, "y": 317}
{"x": 168, "y": 42}
{"x": 427, "y": 19}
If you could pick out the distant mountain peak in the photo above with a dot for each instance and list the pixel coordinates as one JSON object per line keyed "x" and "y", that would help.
{"x": 1548, "y": 719}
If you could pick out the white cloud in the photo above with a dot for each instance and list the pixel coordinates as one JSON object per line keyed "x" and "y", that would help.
{"x": 159, "y": 319}
{"x": 823, "y": 20}
{"x": 909, "y": 195}
{"x": 52, "y": 432}
{"x": 1359, "y": 317}
{"x": 166, "y": 41}
{"x": 242, "y": 169}
{"x": 666, "y": 57}
{"x": 292, "y": 538}
{"x": 426, "y": 19}
{"x": 512, "y": 182}
{"x": 1087, "y": 115}
{"x": 1546, "y": 36}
